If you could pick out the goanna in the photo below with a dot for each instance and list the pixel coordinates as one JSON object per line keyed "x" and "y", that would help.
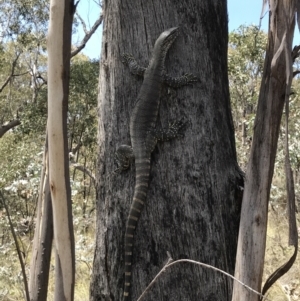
{"x": 143, "y": 134}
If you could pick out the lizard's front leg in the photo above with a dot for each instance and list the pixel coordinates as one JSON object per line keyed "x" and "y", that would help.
{"x": 134, "y": 67}
{"x": 176, "y": 82}
{"x": 123, "y": 155}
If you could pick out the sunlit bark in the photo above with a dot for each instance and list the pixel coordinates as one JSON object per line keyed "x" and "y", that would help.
{"x": 59, "y": 46}
{"x": 254, "y": 215}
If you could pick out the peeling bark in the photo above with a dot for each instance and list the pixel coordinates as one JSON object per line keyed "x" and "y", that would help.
{"x": 254, "y": 215}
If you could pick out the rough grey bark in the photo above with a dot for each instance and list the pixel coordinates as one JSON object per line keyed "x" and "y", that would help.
{"x": 193, "y": 203}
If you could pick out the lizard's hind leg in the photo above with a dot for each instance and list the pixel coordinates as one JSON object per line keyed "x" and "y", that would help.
{"x": 123, "y": 155}
{"x": 175, "y": 129}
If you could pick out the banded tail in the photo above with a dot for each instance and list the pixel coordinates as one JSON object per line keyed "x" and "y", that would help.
{"x": 142, "y": 172}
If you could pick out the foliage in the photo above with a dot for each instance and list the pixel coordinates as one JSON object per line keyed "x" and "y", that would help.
{"x": 246, "y": 53}
{"x": 19, "y": 19}
{"x": 83, "y": 101}
{"x": 20, "y": 164}
{"x": 19, "y": 149}
{"x": 23, "y": 42}
{"x": 21, "y": 154}
{"x": 18, "y": 91}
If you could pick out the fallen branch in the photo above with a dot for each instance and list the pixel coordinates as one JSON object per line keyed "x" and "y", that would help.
{"x": 171, "y": 263}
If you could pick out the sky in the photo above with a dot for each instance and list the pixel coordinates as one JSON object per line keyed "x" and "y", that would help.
{"x": 245, "y": 12}
{"x": 240, "y": 12}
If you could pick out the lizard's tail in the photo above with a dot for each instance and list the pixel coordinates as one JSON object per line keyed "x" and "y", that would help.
{"x": 139, "y": 198}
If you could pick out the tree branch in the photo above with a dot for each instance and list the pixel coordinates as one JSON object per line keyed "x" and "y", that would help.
{"x": 87, "y": 36}
{"x": 295, "y": 52}
{"x": 17, "y": 247}
{"x": 76, "y": 148}
{"x": 42, "y": 78}
{"x": 204, "y": 265}
{"x": 82, "y": 23}
{"x": 11, "y": 73}
{"x": 296, "y": 73}
{"x": 8, "y": 126}
{"x": 84, "y": 170}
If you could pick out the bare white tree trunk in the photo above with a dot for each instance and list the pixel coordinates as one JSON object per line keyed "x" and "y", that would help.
{"x": 59, "y": 46}
{"x": 254, "y": 215}
{"x": 43, "y": 236}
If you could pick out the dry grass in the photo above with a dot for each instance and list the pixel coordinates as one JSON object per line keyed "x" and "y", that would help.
{"x": 277, "y": 253}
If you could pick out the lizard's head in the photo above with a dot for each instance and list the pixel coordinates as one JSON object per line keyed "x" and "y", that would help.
{"x": 165, "y": 40}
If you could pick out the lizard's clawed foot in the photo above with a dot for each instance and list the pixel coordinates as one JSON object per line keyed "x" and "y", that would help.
{"x": 131, "y": 62}
{"x": 123, "y": 156}
{"x": 127, "y": 58}
{"x": 190, "y": 78}
{"x": 178, "y": 128}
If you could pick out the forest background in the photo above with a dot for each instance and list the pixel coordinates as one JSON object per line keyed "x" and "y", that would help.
{"x": 23, "y": 90}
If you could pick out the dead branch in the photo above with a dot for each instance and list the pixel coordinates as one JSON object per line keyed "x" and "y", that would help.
{"x": 42, "y": 78}
{"x": 295, "y": 52}
{"x": 76, "y": 148}
{"x": 17, "y": 246}
{"x": 87, "y": 36}
{"x": 85, "y": 170}
{"x": 8, "y": 126}
{"x": 204, "y": 265}
{"x": 82, "y": 23}
{"x": 296, "y": 73}
{"x": 11, "y": 73}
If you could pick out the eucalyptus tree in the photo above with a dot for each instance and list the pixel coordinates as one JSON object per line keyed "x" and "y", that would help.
{"x": 194, "y": 196}
{"x": 59, "y": 54}
{"x": 274, "y": 93}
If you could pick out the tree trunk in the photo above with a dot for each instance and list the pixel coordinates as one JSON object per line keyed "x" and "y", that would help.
{"x": 254, "y": 215}
{"x": 193, "y": 202}
{"x": 43, "y": 236}
{"x": 59, "y": 49}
